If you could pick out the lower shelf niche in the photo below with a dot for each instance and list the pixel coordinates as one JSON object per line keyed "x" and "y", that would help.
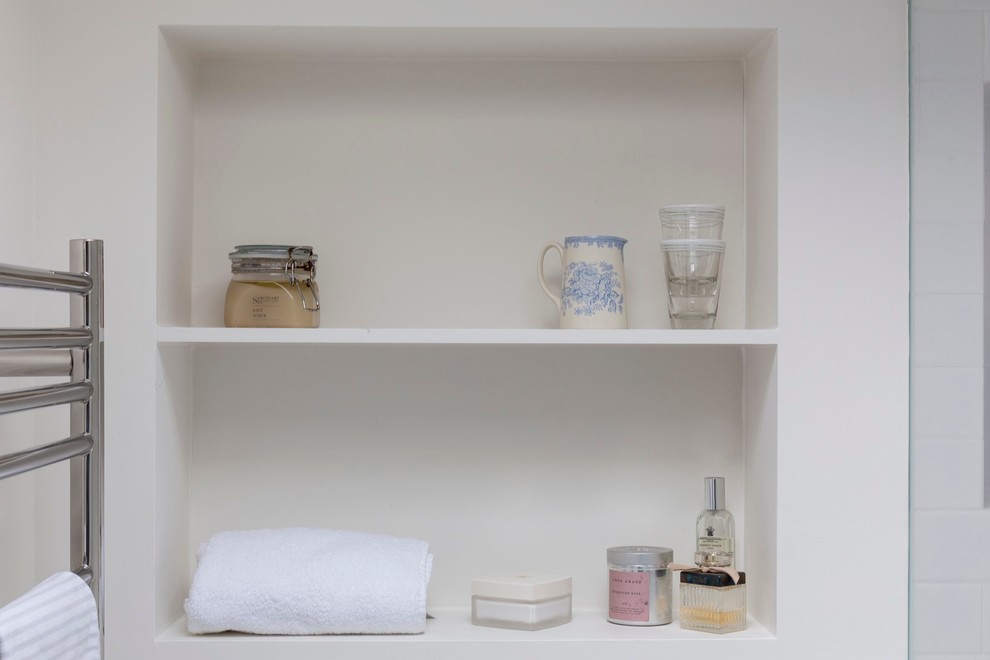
{"x": 503, "y": 458}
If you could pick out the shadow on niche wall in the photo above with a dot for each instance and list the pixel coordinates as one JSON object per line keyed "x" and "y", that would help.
{"x": 986, "y": 287}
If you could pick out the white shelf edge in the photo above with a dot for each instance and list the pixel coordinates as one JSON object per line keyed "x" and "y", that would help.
{"x": 465, "y": 336}
{"x": 452, "y": 625}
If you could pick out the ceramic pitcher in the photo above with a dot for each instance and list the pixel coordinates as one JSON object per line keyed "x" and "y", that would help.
{"x": 593, "y": 293}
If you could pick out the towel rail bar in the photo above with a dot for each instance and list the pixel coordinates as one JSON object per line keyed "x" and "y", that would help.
{"x": 50, "y": 280}
{"x": 76, "y": 352}
{"x": 38, "y": 457}
{"x": 86, "y": 417}
{"x": 36, "y": 362}
{"x": 16, "y": 338}
{"x": 84, "y": 573}
{"x": 46, "y": 395}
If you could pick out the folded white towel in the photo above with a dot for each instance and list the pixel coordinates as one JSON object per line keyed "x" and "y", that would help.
{"x": 303, "y": 581}
{"x": 55, "y": 620}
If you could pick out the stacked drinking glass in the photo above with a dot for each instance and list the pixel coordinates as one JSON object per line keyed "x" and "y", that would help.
{"x": 692, "y": 249}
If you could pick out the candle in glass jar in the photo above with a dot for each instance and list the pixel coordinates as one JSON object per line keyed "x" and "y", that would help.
{"x": 640, "y": 587}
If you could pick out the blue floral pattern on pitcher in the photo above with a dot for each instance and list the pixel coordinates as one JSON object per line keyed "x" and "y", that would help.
{"x": 595, "y": 241}
{"x": 591, "y": 287}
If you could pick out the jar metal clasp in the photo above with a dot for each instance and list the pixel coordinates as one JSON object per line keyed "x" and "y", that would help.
{"x": 290, "y": 273}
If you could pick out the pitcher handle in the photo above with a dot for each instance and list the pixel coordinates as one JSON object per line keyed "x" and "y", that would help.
{"x": 552, "y": 245}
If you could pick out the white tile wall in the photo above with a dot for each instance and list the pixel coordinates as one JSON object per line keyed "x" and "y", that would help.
{"x": 947, "y": 402}
{"x": 948, "y": 45}
{"x": 986, "y": 615}
{"x": 933, "y": 247}
{"x": 945, "y": 114}
{"x": 933, "y": 460}
{"x": 934, "y": 172}
{"x": 938, "y": 317}
{"x": 951, "y": 546}
{"x": 950, "y": 536}
{"x": 933, "y": 632}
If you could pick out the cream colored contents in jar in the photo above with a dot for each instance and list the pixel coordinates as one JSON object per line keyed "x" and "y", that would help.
{"x": 276, "y": 304}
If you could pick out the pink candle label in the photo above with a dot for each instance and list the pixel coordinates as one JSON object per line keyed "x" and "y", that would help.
{"x": 628, "y": 596}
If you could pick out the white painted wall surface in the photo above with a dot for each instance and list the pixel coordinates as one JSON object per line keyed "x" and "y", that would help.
{"x": 843, "y": 387}
{"x": 33, "y": 507}
{"x": 96, "y": 137}
{"x": 950, "y": 559}
{"x": 16, "y": 227}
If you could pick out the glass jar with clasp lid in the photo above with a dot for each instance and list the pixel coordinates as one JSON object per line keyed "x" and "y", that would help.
{"x": 272, "y": 286}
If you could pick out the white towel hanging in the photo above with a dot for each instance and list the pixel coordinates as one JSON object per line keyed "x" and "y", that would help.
{"x": 56, "y": 620}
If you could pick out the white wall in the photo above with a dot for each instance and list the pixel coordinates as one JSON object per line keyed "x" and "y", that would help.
{"x": 17, "y": 38}
{"x": 950, "y": 558}
{"x": 77, "y": 187}
{"x": 34, "y": 507}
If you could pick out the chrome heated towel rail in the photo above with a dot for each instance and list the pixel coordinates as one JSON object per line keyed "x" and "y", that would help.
{"x": 75, "y": 352}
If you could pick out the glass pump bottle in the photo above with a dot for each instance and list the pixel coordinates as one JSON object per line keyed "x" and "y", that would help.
{"x": 716, "y": 528}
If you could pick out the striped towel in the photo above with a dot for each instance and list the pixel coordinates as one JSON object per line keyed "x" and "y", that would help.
{"x": 56, "y": 620}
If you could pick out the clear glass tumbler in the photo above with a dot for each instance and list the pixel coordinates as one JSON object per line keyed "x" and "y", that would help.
{"x": 692, "y": 267}
{"x": 702, "y": 221}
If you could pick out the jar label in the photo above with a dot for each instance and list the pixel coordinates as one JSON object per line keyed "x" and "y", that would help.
{"x": 251, "y": 304}
{"x": 711, "y": 544}
{"x": 628, "y": 595}
{"x": 264, "y": 305}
